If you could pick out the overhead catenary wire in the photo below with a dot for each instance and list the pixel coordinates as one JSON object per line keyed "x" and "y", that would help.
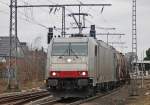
{"x": 50, "y": 11}
{"x": 101, "y": 14}
{"x": 32, "y": 21}
{"x": 29, "y": 21}
{"x": 90, "y": 22}
{"x": 37, "y": 23}
{"x": 86, "y": 19}
{"x": 101, "y": 11}
{"x": 4, "y": 3}
{"x": 37, "y": 1}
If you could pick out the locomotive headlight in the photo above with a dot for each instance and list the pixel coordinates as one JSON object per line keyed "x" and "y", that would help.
{"x": 69, "y": 60}
{"x": 84, "y": 73}
{"x": 53, "y": 73}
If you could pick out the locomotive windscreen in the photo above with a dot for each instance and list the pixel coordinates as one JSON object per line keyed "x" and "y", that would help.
{"x": 70, "y": 49}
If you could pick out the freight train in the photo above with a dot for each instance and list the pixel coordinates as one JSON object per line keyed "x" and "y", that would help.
{"x": 81, "y": 66}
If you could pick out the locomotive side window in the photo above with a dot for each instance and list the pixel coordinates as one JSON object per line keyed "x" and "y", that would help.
{"x": 70, "y": 49}
{"x": 95, "y": 50}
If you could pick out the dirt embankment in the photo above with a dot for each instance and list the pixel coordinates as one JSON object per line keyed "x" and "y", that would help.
{"x": 122, "y": 97}
{"x": 143, "y": 97}
{"x": 3, "y": 84}
{"x": 25, "y": 86}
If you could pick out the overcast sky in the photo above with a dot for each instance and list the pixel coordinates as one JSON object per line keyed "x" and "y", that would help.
{"x": 117, "y": 16}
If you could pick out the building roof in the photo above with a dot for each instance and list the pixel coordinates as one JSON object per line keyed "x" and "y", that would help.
{"x": 4, "y": 46}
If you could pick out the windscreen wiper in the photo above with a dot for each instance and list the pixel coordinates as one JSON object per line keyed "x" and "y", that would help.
{"x": 66, "y": 51}
{"x": 74, "y": 53}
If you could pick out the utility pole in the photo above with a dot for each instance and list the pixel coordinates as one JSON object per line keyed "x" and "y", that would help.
{"x": 142, "y": 76}
{"x": 63, "y": 22}
{"x": 134, "y": 88}
{"x": 12, "y": 68}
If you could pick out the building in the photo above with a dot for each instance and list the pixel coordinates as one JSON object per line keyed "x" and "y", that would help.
{"x": 4, "y": 53}
{"x": 129, "y": 60}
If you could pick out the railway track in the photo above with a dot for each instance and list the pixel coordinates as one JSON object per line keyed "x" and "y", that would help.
{"x": 52, "y": 101}
{"x": 100, "y": 95}
{"x": 21, "y": 99}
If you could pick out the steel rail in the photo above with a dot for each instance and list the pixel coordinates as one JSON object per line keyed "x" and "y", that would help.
{"x": 30, "y": 98}
{"x": 78, "y": 101}
{"x": 50, "y": 102}
{"x": 45, "y": 101}
{"x": 9, "y": 99}
{"x": 95, "y": 97}
{"x": 20, "y": 94}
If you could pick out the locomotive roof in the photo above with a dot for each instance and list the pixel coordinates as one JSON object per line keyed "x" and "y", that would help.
{"x": 71, "y": 39}
{"x": 83, "y": 39}
{"x": 104, "y": 44}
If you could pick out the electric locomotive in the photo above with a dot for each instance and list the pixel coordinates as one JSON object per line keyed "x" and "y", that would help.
{"x": 80, "y": 66}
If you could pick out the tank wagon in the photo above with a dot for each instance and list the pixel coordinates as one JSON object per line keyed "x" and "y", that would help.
{"x": 82, "y": 66}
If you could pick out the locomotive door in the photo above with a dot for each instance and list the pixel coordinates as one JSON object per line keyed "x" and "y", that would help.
{"x": 96, "y": 63}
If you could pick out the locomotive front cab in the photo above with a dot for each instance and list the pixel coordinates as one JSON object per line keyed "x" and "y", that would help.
{"x": 68, "y": 65}
{"x": 69, "y": 60}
